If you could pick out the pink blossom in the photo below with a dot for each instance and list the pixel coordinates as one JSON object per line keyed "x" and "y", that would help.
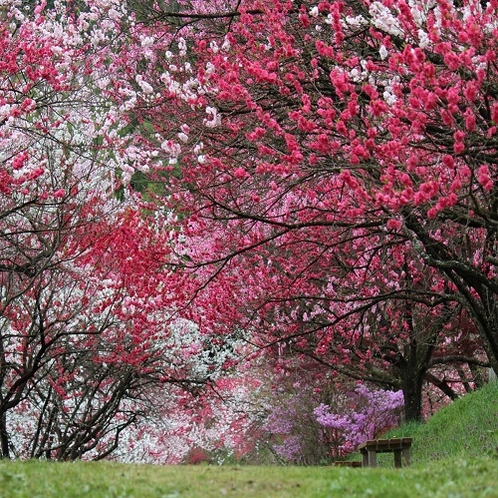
{"x": 394, "y": 224}
{"x": 240, "y": 173}
{"x": 432, "y": 213}
{"x": 484, "y": 177}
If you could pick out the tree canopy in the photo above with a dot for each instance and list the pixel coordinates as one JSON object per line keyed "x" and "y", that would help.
{"x": 332, "y": 165}
{"x": 187, "y": 185}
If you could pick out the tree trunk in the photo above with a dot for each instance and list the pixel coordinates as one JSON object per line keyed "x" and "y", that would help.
{"x": 412, "y": 391}
{"x": 4, "y": 436}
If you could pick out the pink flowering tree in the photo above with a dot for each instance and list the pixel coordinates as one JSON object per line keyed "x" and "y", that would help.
{"x": 332, "y": 169}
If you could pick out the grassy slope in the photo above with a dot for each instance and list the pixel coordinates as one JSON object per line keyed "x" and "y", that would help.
{"x": 466, "y": 428}
{"x": 455, "y": 455}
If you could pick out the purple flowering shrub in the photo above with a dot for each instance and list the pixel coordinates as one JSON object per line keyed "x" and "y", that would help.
{"x": 302, "y": 429}
{"x": 293, "y": 432}
{"x": 367, "y": 415}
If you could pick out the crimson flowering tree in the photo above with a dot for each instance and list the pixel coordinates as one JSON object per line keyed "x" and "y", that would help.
{"x": 322, "y": 157}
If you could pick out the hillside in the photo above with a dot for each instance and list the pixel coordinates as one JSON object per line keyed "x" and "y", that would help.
{"x": 466, "y": 428}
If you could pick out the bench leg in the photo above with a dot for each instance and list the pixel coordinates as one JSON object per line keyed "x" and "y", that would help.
{"x": 406, "y": 455}
{"x": 372, "y": 458}
{"x": 397, "y": 458}
{"x": 364, "y": 456}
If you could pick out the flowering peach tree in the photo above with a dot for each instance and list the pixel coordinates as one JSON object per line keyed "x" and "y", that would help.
{"x": 298, "y": 179}
{"x": 332, "y": 169}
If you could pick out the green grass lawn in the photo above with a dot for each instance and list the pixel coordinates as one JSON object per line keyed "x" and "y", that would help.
{"x": 455, "y": 455}
{"x": 444, "y": 478}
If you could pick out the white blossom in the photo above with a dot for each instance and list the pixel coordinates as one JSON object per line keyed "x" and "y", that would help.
{"x": 214, "y": 118}
{"x": 314, "y": 12}
{"x": 114, "y": 14}
{"x": 147, "y": 41}
{"x": 355, "y": 22}
{"x": 423, "y": 39}
{"x": 5, "y": 111}
{"x": 210, "y": 69}
{"x": 384, "y": 19}
{"x": 182, "y": 46}
{"x": 146, "y": 87}
{"x": 171, "y": 148}
{"x": 389, "y": 97}
{"x": 129, "y": 104}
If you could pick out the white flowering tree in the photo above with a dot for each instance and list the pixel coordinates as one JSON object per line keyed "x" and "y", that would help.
{"x": 85, "y": 288}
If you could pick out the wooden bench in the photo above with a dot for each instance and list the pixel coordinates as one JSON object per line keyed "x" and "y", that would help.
{"x": 398, "y": 446}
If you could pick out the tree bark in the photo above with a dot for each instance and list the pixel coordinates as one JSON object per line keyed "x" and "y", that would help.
{"x": 412, "y": 391}
{"x": 4, "y": 436}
